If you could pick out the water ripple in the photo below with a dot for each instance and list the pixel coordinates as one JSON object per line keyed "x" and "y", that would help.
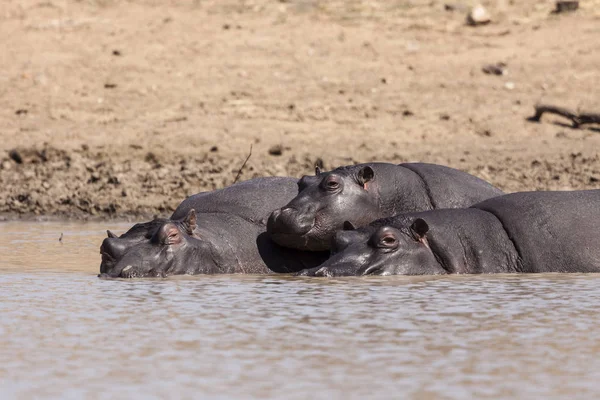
{"x": 67, "y": 334}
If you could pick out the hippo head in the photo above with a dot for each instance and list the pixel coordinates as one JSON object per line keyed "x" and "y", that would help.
{"x": 113, "y": 248}
{"x": 174, "y": 247}
{"x": 380, "y": 250}
{"x": 324, "y": 203}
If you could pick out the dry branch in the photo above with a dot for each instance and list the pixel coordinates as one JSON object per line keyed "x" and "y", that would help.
{"x": 577, "y": 119}
{"x": 242, "y": 167}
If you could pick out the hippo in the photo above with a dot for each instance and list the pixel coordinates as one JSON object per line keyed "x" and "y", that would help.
{"x": 526, "y": 232}
{"x": 208, "y": 243}
{"x": 222, "y": 231}
{"x": 357, "y": 195}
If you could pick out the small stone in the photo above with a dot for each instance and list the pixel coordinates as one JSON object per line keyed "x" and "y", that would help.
{"x": 276, "y": 150}
{"x": 478, "y": 16}
{"x": 495, "y": 69}
{"x": 15, "y": 156}
{"x": 214, "y": 149}
{"x": 94, "y": 177}
{"x": 6, "y": 165}
{"x": 45, "y": 185}
{"x": 566, "y": 6}
{"x": 509, "y": 85}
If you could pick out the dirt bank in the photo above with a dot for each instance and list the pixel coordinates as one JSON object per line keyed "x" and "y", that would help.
{"x": 114, "y": 109}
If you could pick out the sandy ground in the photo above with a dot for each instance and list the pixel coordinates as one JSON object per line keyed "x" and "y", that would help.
{"x": 120, "y": 109}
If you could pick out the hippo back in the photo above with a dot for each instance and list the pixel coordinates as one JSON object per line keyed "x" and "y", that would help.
{"x": 451, "y": 188}
{"x": 252, "y": 200}
{"x": 552, "y": 231}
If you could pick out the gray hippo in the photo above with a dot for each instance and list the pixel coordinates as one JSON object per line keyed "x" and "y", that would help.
{"x": 521, "y": 232}
{"x": 222, "y": 231}
{"x": 357, "y": 195}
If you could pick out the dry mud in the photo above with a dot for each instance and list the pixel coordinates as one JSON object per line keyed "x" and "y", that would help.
{"x": 112, "y": 109}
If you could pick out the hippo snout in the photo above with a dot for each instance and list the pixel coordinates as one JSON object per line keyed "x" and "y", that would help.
{"x": 112, "y": 250}
{"x": 289, "y": 221}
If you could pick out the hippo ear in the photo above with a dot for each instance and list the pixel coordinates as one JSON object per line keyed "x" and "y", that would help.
{"x": 111, "y": 235}
{"x": 317, "y": 170}
{"x": 348, "y": 226}
{"x": 365, "y": 175}
{"x": 419, "y": 228}
{"x": 190, "y": 222}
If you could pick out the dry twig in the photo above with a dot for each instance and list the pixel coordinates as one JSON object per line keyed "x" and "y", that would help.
{"x": 242, "y": 167}
{"x": 577, "y": 119}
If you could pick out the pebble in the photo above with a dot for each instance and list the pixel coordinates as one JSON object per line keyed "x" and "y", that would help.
{"x": 478, "y": 16}
{"x": 276, "y": 150}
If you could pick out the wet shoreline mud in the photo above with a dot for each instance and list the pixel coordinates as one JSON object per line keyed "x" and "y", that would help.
{"x": 104, "y": 119}
{"x": 50, "y": 184}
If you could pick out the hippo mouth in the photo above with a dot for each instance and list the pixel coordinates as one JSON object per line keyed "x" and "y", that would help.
{"x": 312, "y": 240}
{"x": 299, "y": 242}
{"x": 309, "y": 235}
{"x": 107, "y": 263}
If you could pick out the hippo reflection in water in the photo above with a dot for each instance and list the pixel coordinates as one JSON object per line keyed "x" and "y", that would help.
{"x": 524, "y": 232}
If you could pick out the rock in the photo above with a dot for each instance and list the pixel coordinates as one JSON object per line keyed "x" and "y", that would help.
{"x": 509, "y": 85}
{"x": 495, "y": 69}
{"x": 455, "y": 7}
{"x": 6, "y": 165}
{"x": 566, "y": 6}
{"x": 15, "y": 156}
{"x": 276, "y": 150}
{"x": 478, "y": 16}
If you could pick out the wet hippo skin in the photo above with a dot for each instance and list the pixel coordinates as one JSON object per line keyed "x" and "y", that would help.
{"x": 359, "y": 194}
{"x": 222, "y": 231}
{"x": 526, "y": 232}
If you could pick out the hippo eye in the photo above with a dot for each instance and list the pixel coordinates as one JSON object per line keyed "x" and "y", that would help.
{"x": 173, "y": 237}
{"x": 332, "y": 184}
{"x": 388, "y": 241}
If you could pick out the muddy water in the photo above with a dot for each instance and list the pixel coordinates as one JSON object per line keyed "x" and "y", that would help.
{"x": 67, "y": 334}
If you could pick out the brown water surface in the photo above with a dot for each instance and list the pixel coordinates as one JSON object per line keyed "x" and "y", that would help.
{"x": 67, "y": 334}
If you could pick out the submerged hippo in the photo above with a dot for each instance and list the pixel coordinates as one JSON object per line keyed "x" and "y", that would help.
{"x": 222, "y": 231}
{"x": 520, "y": 232}
{"x": 357, "y": 195}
